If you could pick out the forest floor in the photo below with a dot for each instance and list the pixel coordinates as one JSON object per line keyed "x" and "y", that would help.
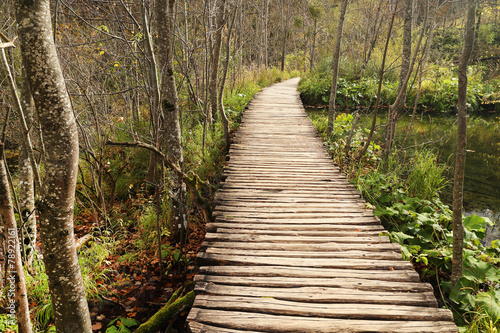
{"x": 135, "y": 288}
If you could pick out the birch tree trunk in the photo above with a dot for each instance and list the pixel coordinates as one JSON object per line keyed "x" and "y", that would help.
{"x": 458, "y": 182}
{"x": 170, "y": 109}
{"x": 335, "y": 68}
{"x": 16, "y": 290}
{"x": 57, "y": 194}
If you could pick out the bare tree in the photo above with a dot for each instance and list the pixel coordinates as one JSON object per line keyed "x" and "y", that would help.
{"x": 220, "y": 21}
{"x": 27, "y": 179}
{"x": 315, "y": 12}
{"x": 17, "y": 284}
{"x": 61, "y": 166}
{"x": 28, "y": 169}
{"x": 399, "y": 104}
{"x": 379, "y": 89}
{"x": 170, "y": 109}
{"x": 458, "y": 182}
{"x": 335, "y": 67}
{"x": 155, "y": 92}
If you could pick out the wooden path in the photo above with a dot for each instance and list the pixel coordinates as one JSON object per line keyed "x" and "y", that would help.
{"x": 293, "y": 248}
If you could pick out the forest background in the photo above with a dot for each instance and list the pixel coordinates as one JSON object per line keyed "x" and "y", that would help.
{"x": 157, "y": 88}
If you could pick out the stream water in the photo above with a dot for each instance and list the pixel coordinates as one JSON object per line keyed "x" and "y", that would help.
{"x": 482, "y": 171}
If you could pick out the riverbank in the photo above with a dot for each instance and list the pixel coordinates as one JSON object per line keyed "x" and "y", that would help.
{"x": 404, "y": 193}
{"x": 437, "y": 132}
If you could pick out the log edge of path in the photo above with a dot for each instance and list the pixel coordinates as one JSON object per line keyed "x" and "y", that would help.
{"x": 293, "y": 247}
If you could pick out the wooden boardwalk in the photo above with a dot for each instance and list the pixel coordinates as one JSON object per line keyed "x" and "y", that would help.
{"x": 293, "y": 247}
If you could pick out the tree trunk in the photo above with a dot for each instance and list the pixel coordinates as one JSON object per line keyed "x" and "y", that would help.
{"x": 380, "y": 79}
{"x": 458, "y": 182}
{"x": 26, "y": 181}
{"x": 152, "y": 173}
{"x": 170, "y": 109}
{"x": 57, "y": 194}
{"x": 399, "y": 104}
{"x": 377, "y": 24}
{"x": 423, "y": 63}
{"x": 266, "y": 33}
{"x": 27, "y": 164}
{"x": 335, "y": 68}
{"x": 225, "y": 120}
{"x": 313, "y": 47}
{"x": 214, "y": 75}
{"x": 17, "y": 298}
{"x": 284, "y": 14}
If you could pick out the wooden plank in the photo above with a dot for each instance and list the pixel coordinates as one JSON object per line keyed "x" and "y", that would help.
{"x": 366, "y": 284}
{"x": 307, "y": 272}
{"x": 288, "y": 193}
{"x": 308, "y": 233}
{"x": 242, "y": 199}
{"x": 291, "y": 324}
{"x": 349, "y": 219}
{"x": 291, "y": 246}
{"x": 296, "y": 208}
{"x": 342, "y": 188}
{"x": 311, "y": 168}
{"x": 355, "y": 254}
{"x": 285, "y": 215}
{"x": 213, "y": 226}
{"x": 321, "y": 294}
{"x": 195, "y": 327}
{"x": 293, "y": 239}
{"x": 204, "y": 258}
{"x": 294, "y": 246}
{"x": 287, "y": 181}
{"x": 291, "y": 205}
{"x": 335, "y": 310}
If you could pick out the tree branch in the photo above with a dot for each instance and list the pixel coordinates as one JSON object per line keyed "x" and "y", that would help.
{"x": 139, "y": 144}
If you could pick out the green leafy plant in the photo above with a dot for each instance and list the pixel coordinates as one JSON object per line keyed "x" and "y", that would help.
{"x": 122, "y": 325}
{"x": 5, "y": 323}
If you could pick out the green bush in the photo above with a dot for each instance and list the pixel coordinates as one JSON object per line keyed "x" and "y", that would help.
{"x": 91, "y": 260}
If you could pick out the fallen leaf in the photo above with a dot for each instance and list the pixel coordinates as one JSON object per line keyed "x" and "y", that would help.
{"x": 97, "y": 326}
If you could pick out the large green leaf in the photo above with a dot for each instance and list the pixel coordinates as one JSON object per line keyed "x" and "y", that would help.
{"x": 476, "y": 224}
{"x": 490, "y": 303}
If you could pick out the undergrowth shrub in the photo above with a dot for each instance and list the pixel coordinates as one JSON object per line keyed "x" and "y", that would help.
{"x": 438, "y": 92}
{"x": 94, "y": 273}
{"x": 404, "y": 192}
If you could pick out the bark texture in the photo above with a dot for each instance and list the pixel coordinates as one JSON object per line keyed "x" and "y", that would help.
{"x": 458, "y": 182}
{"x": 61, "y": 165}
{"x": 170, "y": 108}
{"x": 335, "y": 67}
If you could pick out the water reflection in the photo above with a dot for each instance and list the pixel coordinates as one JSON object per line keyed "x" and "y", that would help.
{"x": 482, "y": 171}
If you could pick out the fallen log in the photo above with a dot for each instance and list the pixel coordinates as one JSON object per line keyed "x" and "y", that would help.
{"x": 160, "y": 320}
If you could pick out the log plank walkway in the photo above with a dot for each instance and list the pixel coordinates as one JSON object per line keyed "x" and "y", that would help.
{"x": 293, "y": 247}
